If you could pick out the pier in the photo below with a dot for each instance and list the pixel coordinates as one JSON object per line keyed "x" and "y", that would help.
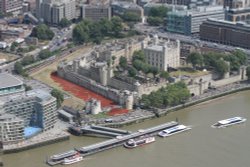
{"x": 112, "y": 143}
{"x": 98, "y": 130}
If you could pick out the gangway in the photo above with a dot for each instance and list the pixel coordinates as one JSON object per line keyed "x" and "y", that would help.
{"x": 90, "y": 130}
{"x": 120, "y": 131}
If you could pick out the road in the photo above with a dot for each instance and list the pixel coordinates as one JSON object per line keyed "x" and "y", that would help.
{"x": 61, "y": 37}
{"x": 187, "y": 39}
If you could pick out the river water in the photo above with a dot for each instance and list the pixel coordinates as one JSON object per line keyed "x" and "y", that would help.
{"x": 202, "y": 146}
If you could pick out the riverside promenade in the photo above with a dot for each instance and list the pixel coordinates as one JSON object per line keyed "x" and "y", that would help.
{"x": 141, "y": 115}
{"x": 58, "y": 133}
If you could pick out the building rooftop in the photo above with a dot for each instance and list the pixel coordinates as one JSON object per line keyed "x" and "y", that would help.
{"x": 125, "y": 5}
{"x": 155, "y": 47}
{"x": 8, "y": 80}
{"x": 42, "y": 95}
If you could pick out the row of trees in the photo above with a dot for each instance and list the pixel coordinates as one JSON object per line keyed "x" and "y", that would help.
{"x": 139, "y": 63}
{"x": 217, "y": 61}
{"x": 156, "y": 15}
{"x": 131, "y": 17}
{"x": 42, "y": 32}
{"x": 171, "y": 95}
{"x": 88, "y": 31}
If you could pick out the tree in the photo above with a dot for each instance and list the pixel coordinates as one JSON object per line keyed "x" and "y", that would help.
{"x": 116, "y": 25}
{"x": 106, "y": 26}
{"x": 19, "y": 68}
{"x": 27, "y": 60}
{"x": 123, "y": 62}
{"x": 80, "y": 35}
{"x": 27, "y": 87}
{"x": 58, "y": 95}
{"x": 155, "y": 21}
{"x": 164, "y": 74}
{"x": 160, "y": 11}
{"x": 248, "y": 73}
{"x": 42, "y": 32}
{"x": 221, "y": 67}
{"x": 131, "y": 17}
{"x": 13, "y": 46}
{"x": 139, "y": 55}
{"x": 64, "y": 23}
{"x": 195, "y": 59}
{"x": 132, "y": 72}
{"x": 44, "y": 54}
{"x": 154, "y": 70}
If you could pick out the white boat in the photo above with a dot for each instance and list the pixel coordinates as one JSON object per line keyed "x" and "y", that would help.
{"x": 173, "y": 130}
{"x": 228, "y": 122}
{"x": 61, "y": 156}
{"x": 73, "y": 159}
{"x": 132, "y": 143}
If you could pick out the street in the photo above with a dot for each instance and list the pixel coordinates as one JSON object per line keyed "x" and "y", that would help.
{"x": 149, "y": 30}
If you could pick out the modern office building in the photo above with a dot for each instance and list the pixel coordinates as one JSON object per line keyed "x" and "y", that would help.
{"x": 190, "y": 3}
{"x": 96, "y": 12}
{"x": 170, "y": 7}
{"x": 226, "y": 32}
{"x": 11, "y": 6}
{"x": 52, "y": 11}
{"x": 10, "y": 84}
{"x": 236, "y": 15}
{"x": 188, "y": 22}
{"x": 163, "y": 55}
{"x": 119, "y": 8}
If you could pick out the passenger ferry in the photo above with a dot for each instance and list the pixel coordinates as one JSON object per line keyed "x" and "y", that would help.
{"x": 132, "y": 143}
{"x": 173, "y": 130}
{"x": 73, "y": 159}
{"x": 228, "y": 122}
{"x": 61, "y": 156}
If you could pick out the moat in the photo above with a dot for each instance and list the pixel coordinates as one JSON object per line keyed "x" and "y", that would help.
{"x": 202, "y": 146}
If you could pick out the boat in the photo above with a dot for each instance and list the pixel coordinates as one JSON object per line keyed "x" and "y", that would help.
{"x": 61, "y": 156}
{"x": 228, "y": 122}
{"x": 73, "y": 159}
{"x": 132, "y": 143}
{"x": 173, "y": 130}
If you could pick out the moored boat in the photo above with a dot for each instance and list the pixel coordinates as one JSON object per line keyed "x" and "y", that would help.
{"x": 228, "y": 122}
{"x": 132, "y": 143}
{"x": 61, "y": 156}
{"x": 73, "y": 159}
{"x": 173, "y": 130}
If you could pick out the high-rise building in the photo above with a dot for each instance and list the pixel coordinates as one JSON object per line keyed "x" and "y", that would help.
{"x": 52, "y": 11}
{"x": 226, "y": 32}
{"x": 11, "y": 6}
{"x": 188, "y": 22}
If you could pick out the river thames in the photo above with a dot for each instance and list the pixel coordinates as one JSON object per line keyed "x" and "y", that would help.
{"x": 202, "y": 146}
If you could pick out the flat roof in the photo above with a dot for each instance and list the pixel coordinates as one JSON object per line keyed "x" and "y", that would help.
{"x": 155, "y": 47}
{"x": 8, "y": 80}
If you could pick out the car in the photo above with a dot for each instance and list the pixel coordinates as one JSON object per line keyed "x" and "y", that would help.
{"x": 109, "y": 120}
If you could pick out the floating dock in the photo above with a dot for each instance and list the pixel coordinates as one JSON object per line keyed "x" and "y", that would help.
{"x": 118, "y": 141}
